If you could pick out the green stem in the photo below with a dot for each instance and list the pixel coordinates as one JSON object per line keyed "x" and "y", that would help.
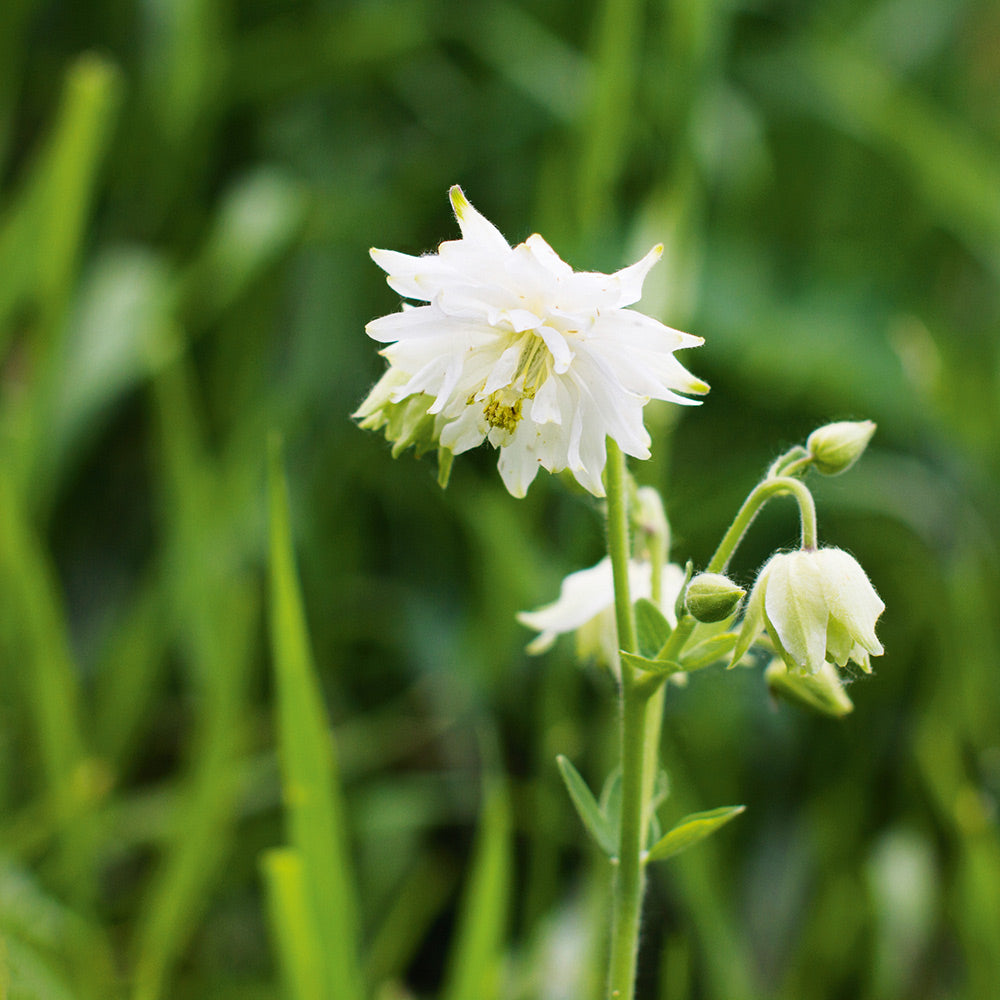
{"x": 629, "y": 881}
{"x": 628, "y": 887}
{"x": 765, "y": 491}
{"x": 619, "y": 548}
{"x": 751, "y": 508}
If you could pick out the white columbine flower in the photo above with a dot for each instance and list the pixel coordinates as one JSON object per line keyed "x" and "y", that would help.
{"x": 586, "y": 606}
{"x": 817, "y": 606}
{"x": 513, "y": 346}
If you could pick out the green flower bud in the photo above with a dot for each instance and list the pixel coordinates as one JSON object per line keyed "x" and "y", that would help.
{"x": 821, "y": 692}
{"x": 834, "y": 448}
{"x": 712, "y": 597}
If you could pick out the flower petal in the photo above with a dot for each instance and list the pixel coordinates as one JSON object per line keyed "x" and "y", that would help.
{"x": 630, "y": 278}
{"x": 795, "y": 609}
{"x": 851, "y": 597}
{"x": 476, "y": 228}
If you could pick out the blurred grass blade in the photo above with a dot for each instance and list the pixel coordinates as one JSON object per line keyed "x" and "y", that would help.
{"x": 33, "y": 629}
{"x": 419, "y": 900}
{"x": 45, "y": 945}
{"x": 610, "y": 114}
{"x": 41, "y": 233}
{"x": 587, "y": 808}
{"x": 315, "y": 813}
{"x": 475, "y": 961}
{"x": 211, "y": 607}
{"x": 120, "y": 333}
{"x": 691, "y": 830}
{"x": 291, "y": 920}
{"x": 256, "y": 221}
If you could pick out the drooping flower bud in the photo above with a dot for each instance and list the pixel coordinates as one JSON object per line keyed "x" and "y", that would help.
{"x": 712, "y": 597}
{"x": 817, "y": 606}
{"x": 834, "y": 448}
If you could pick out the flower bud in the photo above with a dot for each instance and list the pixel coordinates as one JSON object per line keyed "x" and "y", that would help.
{"x": 712, "y": 597}
{"x": 650, "y": 517}
{"x": 818, "y": 606}
{"x": 822, "y": 692}
{"x": 834, "y": 448}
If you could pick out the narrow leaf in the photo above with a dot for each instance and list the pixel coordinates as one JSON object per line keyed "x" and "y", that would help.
{"x": 475, "y": 961}
{"x": 313, "y": 808}
{"x": 650, "y": 665}
{"x": 611, "y": 804}
{"x": 587, "y": 808}
{"x": 299, "y": 950}
{"x": 690, "y": 830}
{"x": 711, "y": 650}
{"x": 652, "y": 628}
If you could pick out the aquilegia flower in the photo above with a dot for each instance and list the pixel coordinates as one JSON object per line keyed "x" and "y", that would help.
{"x": 817, "y": 605}
{"x": 586, "y": 607}
{"x": 514, "y": 347}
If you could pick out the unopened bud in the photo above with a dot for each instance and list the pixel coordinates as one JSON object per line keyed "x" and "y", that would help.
{"x": 834, "y": 448}
{"x": 650, "y": 517}
{"x": 821, "y": 692}
{"x": 712, "y": 597}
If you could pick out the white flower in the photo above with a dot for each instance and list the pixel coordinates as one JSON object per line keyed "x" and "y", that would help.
{"x": 514, "y": 347}
{"x": 817, "y": 605}
{"x": 586, "y": 606}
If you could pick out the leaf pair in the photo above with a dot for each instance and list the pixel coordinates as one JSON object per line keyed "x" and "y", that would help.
{"x": 602, "y": 819}
{"x": 653, "y": 630}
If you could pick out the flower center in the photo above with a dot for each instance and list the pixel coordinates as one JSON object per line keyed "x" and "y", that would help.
{"x": 503, "y": 406}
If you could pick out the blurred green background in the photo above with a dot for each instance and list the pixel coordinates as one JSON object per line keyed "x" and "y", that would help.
{"x": 188, "y": 190}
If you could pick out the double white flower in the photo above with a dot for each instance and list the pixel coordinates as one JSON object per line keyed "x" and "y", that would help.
{"x": 818, "y": 606}
{"x": 514, "y": 347}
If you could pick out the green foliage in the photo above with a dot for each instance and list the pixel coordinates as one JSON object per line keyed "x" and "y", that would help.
{"x": 596, "y": 820}
{"x": 188, "y": 191}
{"x": 691, "y": 830}
{"x": 311, "y": 880}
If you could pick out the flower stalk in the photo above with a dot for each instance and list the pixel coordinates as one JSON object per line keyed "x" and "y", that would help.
{"x": 759, "y": 496}
{"x": 628, "y": 886}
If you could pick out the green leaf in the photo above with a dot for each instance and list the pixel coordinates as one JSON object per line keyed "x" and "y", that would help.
{"x": 474, "y": 968}
{"x": 690, "y": 830}
{"x": 661, "y": 789}
{"x": 590, "y": 813}
{"x": 313, "y": 807}
{"x": 709, "y": 651}
{"x": 611, "y": 804}
{"x": 652, "y": 628}
{"x": 299, "y": 950}
{"x": 650, "y": 665}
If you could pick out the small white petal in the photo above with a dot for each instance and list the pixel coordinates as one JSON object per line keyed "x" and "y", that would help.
{"x": 476, "y": 228}
{"x": 545, "y": 405}
{"x": 547, "y": 257}
{"x": 630, "y": 278}
{"x": 562, "y": 356}
{"x": 519, "y": 463}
